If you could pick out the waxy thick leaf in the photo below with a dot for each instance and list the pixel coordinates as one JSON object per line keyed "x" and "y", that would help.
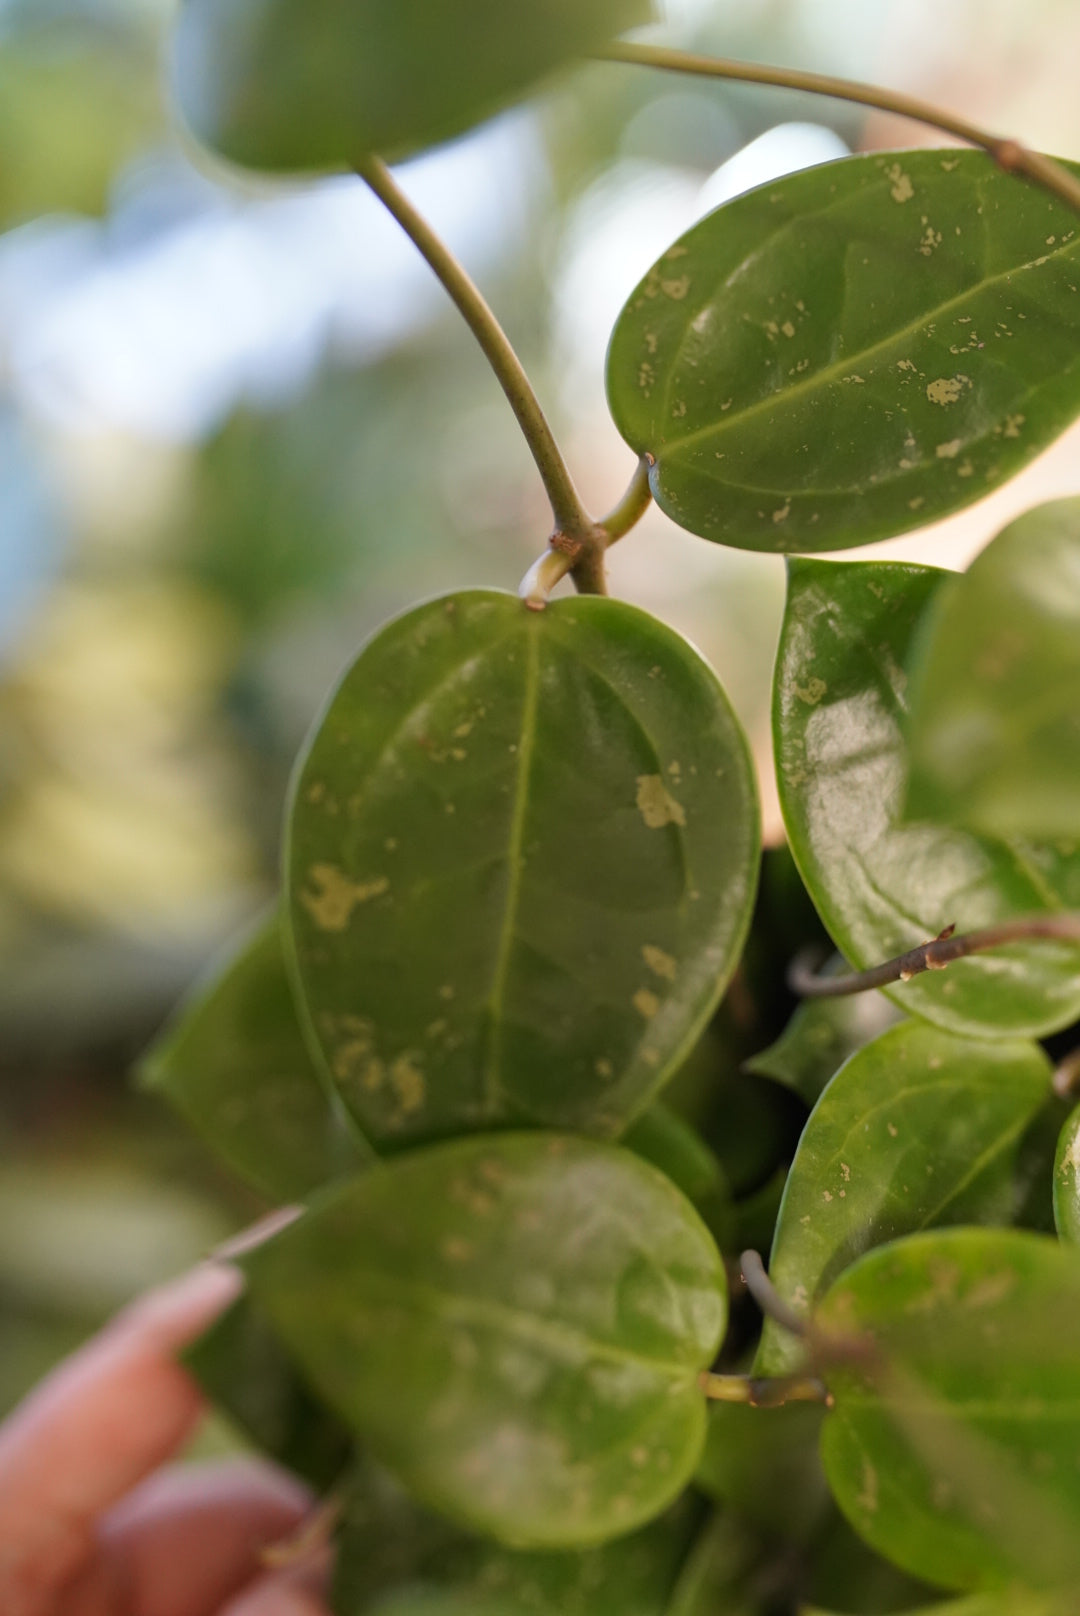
{"x": 244, "y": 1369}
{"x": 883, "y": 886}
{"x": 852, "y": 351}
{"x": 1067, "y": 1180}
{"x": 316, "y": 84}
{"x": 391, "y": 1555}
{"x": 994, "y": 727}
{"x": 953, "y": 1440}
{"x": 919, "y": 1128}
{"x": 818, "y": 1039}
{"x": 515, "y": 1324}
{"x": 521, "y": 863}
{"x": 235, "y": 1065}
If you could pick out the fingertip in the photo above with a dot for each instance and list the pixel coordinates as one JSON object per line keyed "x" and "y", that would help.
{"x": 277, "y": 1596}
{"x": 174, "y": 1314}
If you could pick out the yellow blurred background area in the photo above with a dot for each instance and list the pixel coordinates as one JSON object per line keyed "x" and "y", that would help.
{"x": 240, "y": 426}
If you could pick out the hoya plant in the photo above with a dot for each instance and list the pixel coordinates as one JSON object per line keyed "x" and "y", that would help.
{"x": 517, "y": 1056}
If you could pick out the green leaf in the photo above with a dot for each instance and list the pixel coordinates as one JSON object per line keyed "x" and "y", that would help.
{"x": 819, "y": 1038}
{"x": 235, "y": 1065}
{"x": 994, "y": 728}
{"x": 1067, "y": 1180}
{"x": 952, "y": 1444}
{"x": 516, "y": 1324}
{"x": 851, "y": 351}
{"x": 918, "y": 1128}
{"x": 243, "y": 1368}
{"x": 521, "y": 863}
{"x": 1006, "y": 1602}
{"x": 882, "y": 886}
{"x": 763, "y": 1463}
{"x": 390, "y": 1546}
{"x": 314, "y": 84}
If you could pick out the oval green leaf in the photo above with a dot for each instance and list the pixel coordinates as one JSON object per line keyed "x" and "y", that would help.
{"x": 314, "y": 84}
{"x": 851, "y": 351}
{"x": 882, "y": 886}
{"x": 1067, "y": 1180}
{"x": 515, "y": 1324}
{"x": 994, "y": 727}
{"x": 952, "y": 1444}
{"x": 235, "y": 1065}
{"x": 521, "y": 864}
{"x": 918, "y": 1129}
{"x": 392, "y": 1553}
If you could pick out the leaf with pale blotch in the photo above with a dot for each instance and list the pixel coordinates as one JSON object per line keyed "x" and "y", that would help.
{"x": 852, "y": 351}
{"x": 951, "y": 1446}
{"x": 917, "y": 1129}
{"x": 818, "y": 1039}
{"x": 516, "y": 1325}
{"x": 393, "y": 1555}
{"x": 881, "y": 885}
{"x": 235, "y": 1065}
{"x": 1067, "y": 1180}
{"x": 521, "y": 862}
{"x": 243, "y": 1368}
{"x": 994, "y": 728}
{"x": 313, "y": 84}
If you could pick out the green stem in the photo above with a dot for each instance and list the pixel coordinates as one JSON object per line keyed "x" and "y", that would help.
{"x": 1009, "y": 155}
{"x": 570, "y": 515}
{"x": 632, "y": 507}
{"x": 764, "y": 1391}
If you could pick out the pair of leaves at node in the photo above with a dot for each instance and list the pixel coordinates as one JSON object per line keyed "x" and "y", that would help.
{"x": 883, "y": 885}
{"x": 919, "y": 1128}
{"x": 316, "y": 84}
{"x": 515, "y": 1324}
{"x": 994, "y": 729}
{"x": 852, "y": 351}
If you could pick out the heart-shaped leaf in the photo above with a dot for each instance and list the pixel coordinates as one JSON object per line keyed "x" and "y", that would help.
{"x": 235, "y": 1065}
{"x": 316, "y": 84}
{"x": 882, "y": 886}
{"x": 1067, "y": 1180}
{"x": 851, "y": 351}
{"x": 522, "y": 856}
{"x": 994, "y": 728}
{"x": 952, "y": 1443}
{"x": 919, "y": 1128}
{"x": 394, "y": 1555}
{"x": 516, "y": 1324}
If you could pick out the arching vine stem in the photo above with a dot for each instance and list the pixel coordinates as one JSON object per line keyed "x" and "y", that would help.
{"x": 573, "y": 524}
{"x": 1009, "y": 155}
{"x": 934, "y": 955}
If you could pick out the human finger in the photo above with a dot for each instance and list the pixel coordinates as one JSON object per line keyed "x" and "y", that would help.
{"x": 110, "y": 1414}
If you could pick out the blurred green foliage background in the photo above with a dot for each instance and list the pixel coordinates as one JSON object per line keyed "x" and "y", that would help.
{"x": 239, "y": 426}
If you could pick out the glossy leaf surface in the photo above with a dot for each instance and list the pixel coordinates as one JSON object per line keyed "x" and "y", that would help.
{"x": 818, "y": 1039}
{"x": 994, "y": 729}
{"x": 521, "y": 863}
{"x": 851, "y": 351}
{"x": 235, "y": 1065}
{"x": 314, "y": 84}
{"x": 515, "y": 1324}
{"x": 952, "y": 1445}
{"x": 394, "y": 1555}
{"x": 918, "y": 1129}
{"x": 880, "y": 885}
{"x": 1067, "y": 1180}
{"x": 243, "y": 1368}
